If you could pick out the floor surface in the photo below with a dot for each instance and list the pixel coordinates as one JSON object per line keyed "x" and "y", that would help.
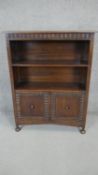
{"x": 48, "y": 149}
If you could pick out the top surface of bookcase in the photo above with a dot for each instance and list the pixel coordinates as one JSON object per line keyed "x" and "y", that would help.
{"x": 50, "y": 35}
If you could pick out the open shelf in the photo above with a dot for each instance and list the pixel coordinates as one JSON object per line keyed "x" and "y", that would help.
{"x": 50, "y": 86}
{"x": 50, "y": 64}
{"x": 50, "y": 53}
{"x": 73, "y": 78}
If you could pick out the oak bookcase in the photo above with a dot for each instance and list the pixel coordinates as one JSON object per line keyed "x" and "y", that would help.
{"x": 50, "y": 76}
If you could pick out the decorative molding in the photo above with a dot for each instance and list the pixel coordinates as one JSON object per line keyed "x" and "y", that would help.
{"x": 18, "y": 105}
{"x": 46, "y": 105}
{"x": 82, "y": 98}
{"x": 50, "y": 36}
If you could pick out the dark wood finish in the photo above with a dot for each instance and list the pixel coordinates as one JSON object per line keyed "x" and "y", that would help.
{"x": 67, "y": 107}
{"x": 31, "y": 106}
{"x": 50, "y": 76}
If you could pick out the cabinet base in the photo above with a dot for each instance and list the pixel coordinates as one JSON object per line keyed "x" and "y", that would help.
{"x": 18, "y": 128}
{"x": 82, "y": 131}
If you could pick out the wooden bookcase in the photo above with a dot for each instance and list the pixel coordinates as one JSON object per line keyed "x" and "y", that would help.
{"x": 50, "y": 76}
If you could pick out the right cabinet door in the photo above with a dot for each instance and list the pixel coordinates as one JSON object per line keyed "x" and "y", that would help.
{"x": 67, "y": 106}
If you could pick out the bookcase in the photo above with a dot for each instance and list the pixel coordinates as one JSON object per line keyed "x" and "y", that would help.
{"x": 50, "y": 77}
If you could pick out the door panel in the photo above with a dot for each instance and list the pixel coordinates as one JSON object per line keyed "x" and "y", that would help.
{"x": 66, "y": 106}
{"x": 32, "y": 105}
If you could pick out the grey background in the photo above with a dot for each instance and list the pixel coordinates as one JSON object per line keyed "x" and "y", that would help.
{"x": 47, "y": 149}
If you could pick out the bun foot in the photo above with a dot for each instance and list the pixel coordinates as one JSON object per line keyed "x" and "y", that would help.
{"x": 18, "y": 128}
{"x": 82, "y": 131}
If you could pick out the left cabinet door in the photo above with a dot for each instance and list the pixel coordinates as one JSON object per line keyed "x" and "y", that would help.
{"x": 32, "y": 107}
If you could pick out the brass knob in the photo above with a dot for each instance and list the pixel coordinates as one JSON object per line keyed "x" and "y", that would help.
{"x": 67, "y": 107}
{"x": 31, "y": 106}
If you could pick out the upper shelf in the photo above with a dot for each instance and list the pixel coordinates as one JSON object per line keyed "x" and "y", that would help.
{"x": 50, "y": 53}
{"x": 49, "y": 63}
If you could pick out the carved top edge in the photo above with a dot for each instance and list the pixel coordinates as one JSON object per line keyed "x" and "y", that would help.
{"x": 51, "y": 36}
{"x": 52, "y": 93}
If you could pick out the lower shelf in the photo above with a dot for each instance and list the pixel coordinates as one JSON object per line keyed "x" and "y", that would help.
{"x": 49, "y": 86}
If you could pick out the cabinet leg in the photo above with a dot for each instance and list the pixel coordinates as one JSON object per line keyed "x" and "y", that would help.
{"x": 82, "y": 130}
{"x": 18, "y": 128}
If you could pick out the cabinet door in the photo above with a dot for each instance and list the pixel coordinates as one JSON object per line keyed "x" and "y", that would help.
{"x": 66, "y": 107}
{"x": 32, "y": 105}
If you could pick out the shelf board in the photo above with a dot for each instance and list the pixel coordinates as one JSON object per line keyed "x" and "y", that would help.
{"x": 45, "y": 63}
{"x": 50, "y": 86}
